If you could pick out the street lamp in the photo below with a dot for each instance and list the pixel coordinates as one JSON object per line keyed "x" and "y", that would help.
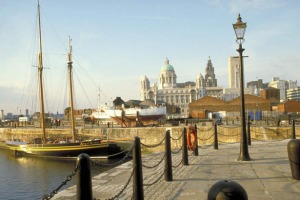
{"x": 240, "y": 28}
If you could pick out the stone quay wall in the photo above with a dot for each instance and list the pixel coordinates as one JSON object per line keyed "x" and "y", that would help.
{"x": 153, "y": 135}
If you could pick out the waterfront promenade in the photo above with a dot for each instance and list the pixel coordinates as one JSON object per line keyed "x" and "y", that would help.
{"x": 266, "y": 177}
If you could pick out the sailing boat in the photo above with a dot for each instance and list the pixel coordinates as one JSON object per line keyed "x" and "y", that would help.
{"x": 94, "y": 148}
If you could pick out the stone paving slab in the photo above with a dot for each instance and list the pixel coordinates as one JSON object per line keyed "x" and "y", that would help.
{"x": 266, "y": 177}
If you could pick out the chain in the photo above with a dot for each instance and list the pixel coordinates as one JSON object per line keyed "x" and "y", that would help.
{"x": 154, "y": 145}
{"x": 206, "y": 146}
{"x": 175, "y": 166}
{"x": 202, "y": 130}
{"x": 176, "y": 152}
{"x": 122, "y": 190}
{"x": 206, "y": 138}
{"x": 156, "y": 181}
{"x": 149, "y": 167}
{"x": 177, "y": 138}
{"x": 68, "y": 178}
{"x": 222, "y": 134}
{"x": 113, "y": 164}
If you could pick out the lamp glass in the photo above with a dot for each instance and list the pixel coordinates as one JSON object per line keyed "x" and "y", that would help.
{"x": 239, "y": 28}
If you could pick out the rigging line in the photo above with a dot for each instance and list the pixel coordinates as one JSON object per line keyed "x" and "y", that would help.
{"x": 89, "y": 77}
{"x": 65, "y": 100}
{"x": 60, "y": 91}
{"x": 90, "y": 104}
{"x": 54, "y": 30}
{"x": 26, "y": 87}
{"x": 49, "y": 91}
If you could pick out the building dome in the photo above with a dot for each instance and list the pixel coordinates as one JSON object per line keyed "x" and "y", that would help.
{"x": 167, "y": 66}
{"x": 200, "y": 76}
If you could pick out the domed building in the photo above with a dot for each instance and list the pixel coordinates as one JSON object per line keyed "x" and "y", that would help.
{"x": 178, "y": 94}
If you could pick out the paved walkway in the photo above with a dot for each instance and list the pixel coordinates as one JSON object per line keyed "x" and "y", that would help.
{"x": 266, "y": 177}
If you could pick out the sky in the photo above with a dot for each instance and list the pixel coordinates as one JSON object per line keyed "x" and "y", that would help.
{"x": 116, "y": 42}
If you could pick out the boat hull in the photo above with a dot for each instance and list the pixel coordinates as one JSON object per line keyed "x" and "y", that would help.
{"x": 132, "y": 117}
{"x": 66, "y": 150}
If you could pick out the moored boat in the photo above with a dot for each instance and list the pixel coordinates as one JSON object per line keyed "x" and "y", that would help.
{"x": 68, "y": 149}
{"x": 131, "y": 117}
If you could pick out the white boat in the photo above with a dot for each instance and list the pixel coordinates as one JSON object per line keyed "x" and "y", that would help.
{"x": 131, "y": 117}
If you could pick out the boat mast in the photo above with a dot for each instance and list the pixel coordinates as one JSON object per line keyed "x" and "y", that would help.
{"x": 40, "y": 72}
{"x": 99, "y": 107}
{"x": 71, "y": 90}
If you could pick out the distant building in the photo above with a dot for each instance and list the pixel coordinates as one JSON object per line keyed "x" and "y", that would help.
{"x": 257, "y": 85}
{"x": 234, "y": 72}
{"x": 273, "y": 94}
{"x": 210, "y": 77}
{"x": 180, "y": 94}
{"x": 232, "y": 93}
{"x": 234, "y": 84}
{"x": 289, "y": 106}
{"x": 2, "y": 115}
{"x": 293, "y": 94}
{"x": 283, "y": 86}
{"x": 202, "y": 107}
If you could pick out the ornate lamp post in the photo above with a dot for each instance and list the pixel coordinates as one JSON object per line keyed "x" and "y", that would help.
{"x": 240, "y": 28}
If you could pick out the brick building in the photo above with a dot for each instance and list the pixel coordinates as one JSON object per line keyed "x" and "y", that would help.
{"x": 201, "y": 107}
{"x": 289, "y": 106}
{"x": 272, "y": 94}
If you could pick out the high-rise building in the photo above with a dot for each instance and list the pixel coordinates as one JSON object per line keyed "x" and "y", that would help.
{"x": 293, "y": 94}
{"x": 282, "y": 85}
{"x": 1, "y": 115}
{"x": 233, "y": 72}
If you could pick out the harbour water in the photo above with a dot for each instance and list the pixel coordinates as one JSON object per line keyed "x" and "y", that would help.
{"x": 32, "y": 178}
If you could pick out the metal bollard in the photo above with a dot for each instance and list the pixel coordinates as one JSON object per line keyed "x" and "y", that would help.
{"x": 138, "y": 189}
{"x": 226, "y": 189}
{"x": 248, "y": 132}
{"x": 84, "y": 185}
{"x": 216, "y": 137}
{"x": 168, "y": 158}
{"x": 293, "y": 148}
{"x": 196, "y": 153}
{"x": 293, "y": 129}
{"x": 185, "y": 158}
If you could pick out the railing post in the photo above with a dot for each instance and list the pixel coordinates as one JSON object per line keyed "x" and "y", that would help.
{"x": 293, "y": 129}
{"x": 185, "y": 158}
{"x": 168, "y": 158}
{"x": 84, "y": 185}
{"x": 138, "y": 189}
{"x": 248, "y": 131}
{"x": 216, "y": 136}
{"x": 196, "y": 153}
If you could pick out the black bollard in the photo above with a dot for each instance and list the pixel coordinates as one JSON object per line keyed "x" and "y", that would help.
{"x": 185, "y": 158}
{"x": 248, "y": 132}
{"x": 138, "y": 189}
{"x": 196, "y": 153}
{"x": 293, "y": 148}
{"x": 226, "y": 189}
{"x": 168, "y": 158}
{"x": 293, "y": 129}
{"x": 84, "y": 185}
{"x": 216, "y": 136}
